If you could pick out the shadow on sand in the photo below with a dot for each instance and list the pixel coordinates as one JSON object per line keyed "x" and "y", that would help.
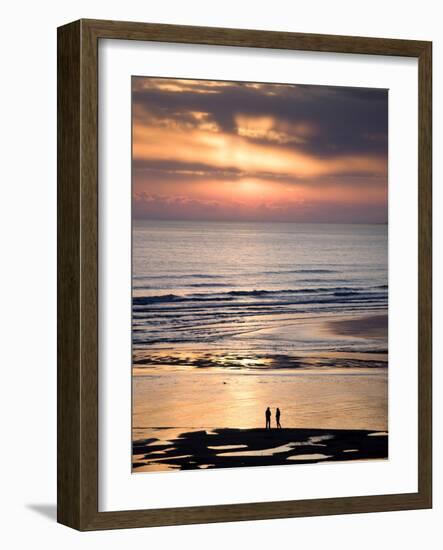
{"x": 233, "y": 448}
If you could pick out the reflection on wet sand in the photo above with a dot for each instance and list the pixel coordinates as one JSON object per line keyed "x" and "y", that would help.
{"x": 202, "y": 449}
{"x": 215, "y": 398}
{"x": 192, "y": 387}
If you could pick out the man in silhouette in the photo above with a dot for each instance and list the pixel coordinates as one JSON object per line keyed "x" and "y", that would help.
{"x": 268, "y": 418}
{"x": 277, "y": 417}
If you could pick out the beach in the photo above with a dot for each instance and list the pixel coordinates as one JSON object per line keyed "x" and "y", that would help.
{"x": 335, "y": 396}
{"x": 292, "y": 316}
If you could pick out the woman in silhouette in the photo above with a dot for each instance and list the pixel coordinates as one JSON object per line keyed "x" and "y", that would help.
{"x": 268, "y": 418}
{"x": 277, "y": 417}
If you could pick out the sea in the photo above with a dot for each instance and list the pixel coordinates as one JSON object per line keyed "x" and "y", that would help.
{"x": 241, "y": 286}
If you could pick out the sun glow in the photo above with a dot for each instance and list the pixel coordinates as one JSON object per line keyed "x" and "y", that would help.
{"x": 244, "y": 151}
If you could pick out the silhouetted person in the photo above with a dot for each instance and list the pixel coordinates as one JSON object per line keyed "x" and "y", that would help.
{"x": 277, "y": 417}
{"x": 268, "y": 418}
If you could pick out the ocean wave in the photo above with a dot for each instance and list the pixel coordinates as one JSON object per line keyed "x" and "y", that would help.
{"x": 207, "y": 285}
{"x": 305, "y": 271}
{"x": 179, "y": 277}
{"x": 325, "y": 292}
{"x": 184, "y": 276}
{"x": 164, "y": 286}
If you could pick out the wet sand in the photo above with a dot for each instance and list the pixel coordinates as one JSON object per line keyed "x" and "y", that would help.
{"x": 371, "y": 326}
{"x": 234, "y": 448}
{"x": 349, "y": 329}
{"x": 187, "y": 400}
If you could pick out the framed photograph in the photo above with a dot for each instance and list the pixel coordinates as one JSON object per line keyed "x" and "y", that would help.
{"x": 244, "y": 275}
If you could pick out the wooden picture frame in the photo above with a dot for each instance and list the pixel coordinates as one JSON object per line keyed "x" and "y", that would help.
{"x": 78, "y": 274}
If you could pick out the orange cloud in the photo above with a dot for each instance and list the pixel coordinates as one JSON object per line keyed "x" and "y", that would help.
{"x": 231, "y": 149}
{"x": 272, "y": 129}
{"x": 223, "y": 150}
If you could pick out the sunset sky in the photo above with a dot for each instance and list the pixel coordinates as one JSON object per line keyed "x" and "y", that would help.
{"x": 212, "y": 150}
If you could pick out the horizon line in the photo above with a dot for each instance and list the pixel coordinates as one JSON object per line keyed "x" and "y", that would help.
{"x": 211, "y": 220}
